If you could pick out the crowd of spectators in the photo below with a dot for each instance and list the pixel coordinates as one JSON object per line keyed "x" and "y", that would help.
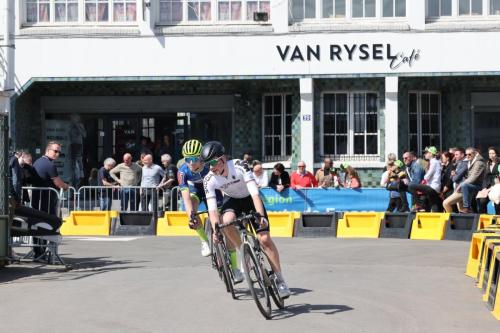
{"x": 457, "y": 180}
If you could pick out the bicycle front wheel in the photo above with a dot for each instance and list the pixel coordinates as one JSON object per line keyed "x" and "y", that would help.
{"x": 272, "y": 285}
{"x": 255, "y": 280}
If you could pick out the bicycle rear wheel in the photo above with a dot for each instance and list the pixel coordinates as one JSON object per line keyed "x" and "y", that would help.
{"x": 255, "y": 280}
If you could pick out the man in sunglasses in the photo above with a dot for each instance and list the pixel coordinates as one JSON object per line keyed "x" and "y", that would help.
{"x": 190, "y": 178}
{"x": 241, "y": 195}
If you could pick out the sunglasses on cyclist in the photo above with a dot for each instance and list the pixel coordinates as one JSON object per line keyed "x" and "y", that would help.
{"x": 192, "y": 159}
{"x": 214, "y": 161}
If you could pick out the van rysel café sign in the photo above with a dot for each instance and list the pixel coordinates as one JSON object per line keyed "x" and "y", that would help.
{"x": 345, "y": 52}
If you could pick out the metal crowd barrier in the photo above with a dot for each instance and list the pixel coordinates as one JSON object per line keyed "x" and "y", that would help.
{"x": 46, "y": 199}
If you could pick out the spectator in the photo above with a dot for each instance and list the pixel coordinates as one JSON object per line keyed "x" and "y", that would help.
{"x": 494, "y": 194}
{"x": 127, "y": 174}
{"x": 475, "y": 175}
{"x": 46, "y": 169}
{"x": 93, "y": 177}
{"x": 302, "y": 178}
{"x": 457, "y": 176}
{"x": 260, "y": 175}
{"x": 335, "y": 178}
{"x": 431, "y": 184}
{"x": 169, "y": 181}
{"x": 489, "y": 180}
{"x": 395, "y": 174}
{"x": 104, "y": 179}
{"x": 29, "y": 177}
{"x": 415, "y": 174}
{"x": 152, "y": 175}
{"x": 165, "y": 147}
{"x": 322, "y": 176}
{"x": 280, "y": 179}
{"x": 446, "y": 179}
{"x": 248, "y": 158}
{"x": 352, "y": 179}
{"x": 15, "y": 187}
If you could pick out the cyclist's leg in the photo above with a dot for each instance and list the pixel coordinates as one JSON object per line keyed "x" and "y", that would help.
{"x": 229, "y": 210}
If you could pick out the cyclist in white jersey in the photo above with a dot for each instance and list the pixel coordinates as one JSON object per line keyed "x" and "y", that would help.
{"x": 241, "y": 195}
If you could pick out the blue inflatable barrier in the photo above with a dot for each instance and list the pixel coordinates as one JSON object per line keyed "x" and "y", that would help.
{"x": 326, "y": 200}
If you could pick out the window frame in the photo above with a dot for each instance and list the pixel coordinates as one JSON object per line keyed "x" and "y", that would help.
{"x": 419, "y": 133}
{"x": 350, "y": 155}
{"x": 283, "y": 135}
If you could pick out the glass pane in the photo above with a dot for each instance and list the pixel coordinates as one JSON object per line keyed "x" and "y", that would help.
{"x": 60, "y": 12}
{"x": 73, "y": 12}
{"x": 359, "y": 144}
{"x": 434, "y": 103}
{"x": 327, "y": 9}
{"x": 426, "y": 142}
{"x": 371, "y": 144}
{"x": 265, "y": 6}
{"x": 329, "y": 144}
{"x": 288, "y": 124}
{"x": 289, "y": 145}
{"x": 268, "y": 150}
{"x": 369, "y": 8}
{"x": 119, "y": 12}
{"x": 328, "y": 103}
{"x": 277, "y": 125}
{"x": 495, "y": 7}
{"x": 445, "y": 7}
{"x": 341, "y": 144}
{"x": 206, "y": 11}
{"x": 31, "y": 12}
{"x": 44, "y": 13}
{"x": 413, "y": 143}
{"x": 426, "y": 127}
{"x": 328, "y": 124}
{"x": 413, "y": 123}
{"x": 341, "y": 124}
{"x": 371, "y": 123}
{"x": 434, "y": 140}
{"x": 277, "y": 146}
{"x": 341, "y": 103}
{"x": 477, "y": 7}
{"x": 434, "y": 119}
{"x": 131, "y": 12}
{"x": 297, "y": 10}
{"x": 176, "y": 11}
{"x": 339, "y": 8}
{"x": 90, "y": 12}
{"x": 224, "y": 11}
{"x": 252, "y": 6}
{"x": 288, "y": 105}
{"x": 400, "y": 8}
{"x": 357, "y": 8}
{"x": 432, "y": 8}
{"x": 371, "y": 103}
{"x": 193, "y": 11}
{"x": 277, "y": 105}
{"x": 387, "y": 10}
{"x": 412, "y": 103}
{"x": 236, "y": 10}
{"x": 268, "y": 128}
{"x": 425, "y": 103}
{"x": 102, "y": 12}
{"x": 310, "y": 8}
{"x": 463, "y": 7}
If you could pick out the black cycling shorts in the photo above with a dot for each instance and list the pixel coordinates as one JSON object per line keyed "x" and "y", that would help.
{"x": 243, "y": 206}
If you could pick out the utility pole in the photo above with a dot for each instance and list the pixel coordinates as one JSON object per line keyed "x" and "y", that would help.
{"x": 7, "y": 50}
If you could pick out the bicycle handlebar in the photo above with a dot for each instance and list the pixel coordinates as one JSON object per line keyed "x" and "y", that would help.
{"x": 240, "y": 220}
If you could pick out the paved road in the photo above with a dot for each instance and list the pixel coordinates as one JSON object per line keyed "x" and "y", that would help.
{"x": 156, "y": 284}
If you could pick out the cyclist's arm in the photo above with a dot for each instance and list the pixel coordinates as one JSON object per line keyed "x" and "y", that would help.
{"x": 254, "y": 193}
{"x": 186, "y": 198}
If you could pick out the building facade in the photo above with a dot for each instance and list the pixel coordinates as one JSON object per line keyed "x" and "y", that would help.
{"x": 286, "y": 80}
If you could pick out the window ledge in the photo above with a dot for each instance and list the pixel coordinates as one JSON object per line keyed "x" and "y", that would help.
{"x": 462, "y": 25}
{"x": 214, "y": 29}
{"x": 351, "y": 26}
{"x": 74, "y": 31}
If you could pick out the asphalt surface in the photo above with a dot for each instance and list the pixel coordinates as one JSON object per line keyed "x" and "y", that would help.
{"x": 156, "y": 284}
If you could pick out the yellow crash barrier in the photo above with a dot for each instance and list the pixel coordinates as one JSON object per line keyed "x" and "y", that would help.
{"x": 429, "y": 226}
{"x": 486, "y": 220}
{"x": 176, "y": 224}
{"x": 494, "y": 300}
{"x": 282, "y": 223}
{"x": 360, "y": 224}
{"x": 88, "y": 223}
{"x": 475, "y": 252}
{"x": 484, "y": 258}
{"x": 493, "y": 249}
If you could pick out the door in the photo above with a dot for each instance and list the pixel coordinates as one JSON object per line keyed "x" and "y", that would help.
{"x": 486, "y": 127}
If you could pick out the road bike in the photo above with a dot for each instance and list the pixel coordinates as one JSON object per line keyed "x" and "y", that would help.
{"x": 257, "y": 270}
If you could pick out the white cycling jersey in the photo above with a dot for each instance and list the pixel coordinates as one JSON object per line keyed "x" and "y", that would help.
{"x": 239, "y": 183}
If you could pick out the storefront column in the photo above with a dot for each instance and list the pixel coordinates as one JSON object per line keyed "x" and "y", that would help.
{"x": 279, "y": 12}
{"x": 391, "y": 115}
{"x": 307, "y": 122}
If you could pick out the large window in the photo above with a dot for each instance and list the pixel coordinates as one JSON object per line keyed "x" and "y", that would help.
{"x": 333, "y": 9}
{"x": 277, "y": 126}
{"x": 302, "y": 9}
{"x": 363, "y": 8}
{"x": 424, "y": 110}
{"x": 350, "y": 123}
{"x": 393, "y": 8}
{"x": 80, "y": 11}
{"x": 437, "y": 8}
